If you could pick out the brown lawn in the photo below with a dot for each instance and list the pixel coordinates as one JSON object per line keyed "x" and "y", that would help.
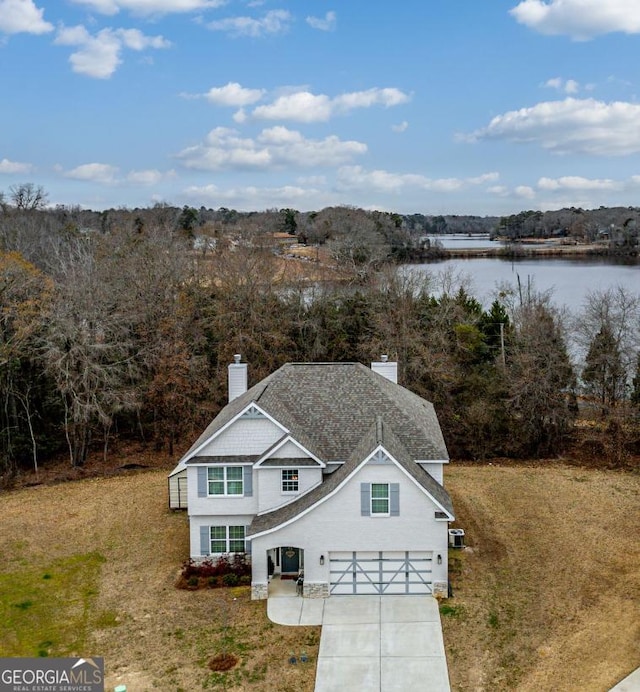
{"x": 546, "y": 598}
{"x": 152, "y": 635}
{"x": 548, "y": 595}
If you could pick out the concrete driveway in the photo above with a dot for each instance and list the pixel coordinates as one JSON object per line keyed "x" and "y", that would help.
{"x": 372, "y": 643}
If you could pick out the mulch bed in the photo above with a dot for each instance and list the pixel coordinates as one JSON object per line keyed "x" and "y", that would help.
{"x": 221, "y": 662}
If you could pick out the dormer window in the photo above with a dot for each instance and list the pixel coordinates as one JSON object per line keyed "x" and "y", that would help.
{"x": 289, "y": 480}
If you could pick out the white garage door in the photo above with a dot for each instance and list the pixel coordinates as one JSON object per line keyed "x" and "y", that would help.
{"x": 367, "y": 572}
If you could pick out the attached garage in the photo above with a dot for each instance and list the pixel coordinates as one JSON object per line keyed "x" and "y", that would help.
{"x": 389, "y": 572}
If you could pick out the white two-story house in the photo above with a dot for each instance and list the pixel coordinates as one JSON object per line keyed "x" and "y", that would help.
{"x": 332, "y": 469}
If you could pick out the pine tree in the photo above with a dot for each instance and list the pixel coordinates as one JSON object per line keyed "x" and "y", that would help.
{"x": 604, "y": 374}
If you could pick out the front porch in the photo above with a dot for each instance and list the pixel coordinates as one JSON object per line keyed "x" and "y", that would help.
{"x": 282, "y": 588}
{"x": 285, "y": 561}
{"x": 275, "y": 573}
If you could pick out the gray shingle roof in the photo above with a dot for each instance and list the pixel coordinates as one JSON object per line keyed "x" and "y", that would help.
{"x": 330, "y": 405}
{"x": 378, "y": 433}
{"x": 289, "y": 461}
{"x": 326, "y": 407}
{"x": 230, "y": 459}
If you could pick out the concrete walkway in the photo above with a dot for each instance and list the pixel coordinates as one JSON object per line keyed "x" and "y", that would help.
{"x": 630, "y": 684}
{"x": 371, "y": 643}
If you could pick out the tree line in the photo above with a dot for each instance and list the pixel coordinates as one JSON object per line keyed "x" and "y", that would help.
{"x": 126, "y": 333}
{"x": 618, "y": 225}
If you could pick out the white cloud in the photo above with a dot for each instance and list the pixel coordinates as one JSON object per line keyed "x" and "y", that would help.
{"x": 580, "y": 19}
{"x": 273, "y": 22}
{"x": 371, "y": 97}
{"x": 568, "y": 86}
{"x": 583, "y": 126}
{"x": 252, "y": 197}
{"x": 525, "y": 192}
{"x": 106, "y": 174}
{"x": 400, "y": 127}
{"x": 22, "y": 16}
{"x": 299, "y": 104}
{"x": 317, "y": 180}
{"x": 567, "y": 185}
{"x": 326, "y": 23}
{"x": 149, "y": 7}
{"x": 99, "y": 56}
{"x": 7, "y": 166}
{"x": 94, "y": 172}
{"x": 240, "y": 116}
{"x": 571, "y": 86}
{"x": 233, "y": 94}
{"x": 358, "y": 178}
{"x": 303, "y": 106}
{"x": 484, "y": 178}
{"x": 576, "y": 182}
{"x": 275, "y": 147}
{"x": 136, "y": 40}
{"x": 148, "y": 177}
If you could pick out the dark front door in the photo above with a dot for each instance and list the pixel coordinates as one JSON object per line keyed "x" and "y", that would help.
{"x": 290, "y": 558}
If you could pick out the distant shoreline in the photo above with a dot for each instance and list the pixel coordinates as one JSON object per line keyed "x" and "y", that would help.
{"x": 534, "y": 248}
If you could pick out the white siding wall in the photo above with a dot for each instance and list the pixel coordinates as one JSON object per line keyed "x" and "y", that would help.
{"x": 434, "y": 470}
{"x": 245, "y": 436}
{"x": 269, "y": 486}
{"x": 228, "y": 505}
{"x": 290, "y": 449}
{"x": 338, "y": 525}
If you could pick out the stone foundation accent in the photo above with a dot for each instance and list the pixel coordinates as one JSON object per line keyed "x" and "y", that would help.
{"x": 315, "y": 589}
{"x": 259, "y": 592}
{"x": 440, "y": 589}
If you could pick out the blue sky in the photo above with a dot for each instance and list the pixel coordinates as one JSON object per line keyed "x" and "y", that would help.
{"x": 429, "y": 106}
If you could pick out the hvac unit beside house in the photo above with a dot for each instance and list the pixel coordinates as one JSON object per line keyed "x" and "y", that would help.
{"x": 456, "y": 538}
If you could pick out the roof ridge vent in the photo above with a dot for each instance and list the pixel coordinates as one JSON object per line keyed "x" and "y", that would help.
{"x": 379, "y": 431}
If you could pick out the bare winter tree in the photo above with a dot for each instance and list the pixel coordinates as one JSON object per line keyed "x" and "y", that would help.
{"x": 539, "y": 373}
{"x": 606, "y": 332}
{"x": 24, "y": 295}
{"x": 28, "y": 197}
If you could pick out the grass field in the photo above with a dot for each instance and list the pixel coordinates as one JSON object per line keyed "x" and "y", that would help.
{"x": 547, "y": 597}
{"x": 88, "y": 568}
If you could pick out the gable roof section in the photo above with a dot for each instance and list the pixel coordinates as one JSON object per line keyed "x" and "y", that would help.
{"x": 325, "y": 407}
{"x": 378, "y": 435}
{"x": 266, "y": 458}
{"x": 233, "y": 409}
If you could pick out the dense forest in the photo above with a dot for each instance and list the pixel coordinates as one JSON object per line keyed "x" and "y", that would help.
{"x": 120, "y": 325}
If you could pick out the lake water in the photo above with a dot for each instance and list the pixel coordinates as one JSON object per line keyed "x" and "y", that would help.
{"x": 462, "y": 242}
{"x": 570, "y": 280}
